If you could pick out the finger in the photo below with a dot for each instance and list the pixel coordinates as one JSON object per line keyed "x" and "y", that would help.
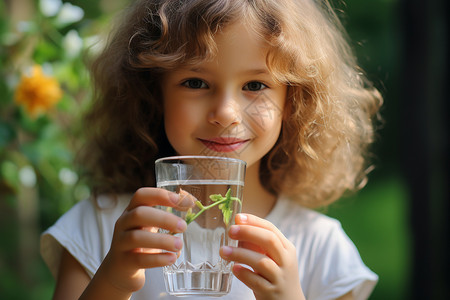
{"x": 157, "y": 196}
{"x": 248, "y": 219}
{"x": 267, "y": 240}
{"x": 251, "y": 246}
{"x": 146, "y": 260}
{"x": 261, "y": 264}
{"x": 150, "y": 242}
{"x": 186, "y": 200}
{"x": 250, "y": 279}
{"x": 145, "y": 216}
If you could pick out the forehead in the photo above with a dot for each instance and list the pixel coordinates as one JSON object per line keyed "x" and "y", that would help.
{"x": 235, "y": 45}
{"x": 240, "y": 42}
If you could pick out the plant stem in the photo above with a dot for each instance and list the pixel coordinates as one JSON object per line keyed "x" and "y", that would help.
{"x": 204, "y": 208}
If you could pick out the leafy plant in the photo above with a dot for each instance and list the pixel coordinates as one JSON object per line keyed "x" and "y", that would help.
{"x": 224, "y": 203}
{"x": 44, "y": 91}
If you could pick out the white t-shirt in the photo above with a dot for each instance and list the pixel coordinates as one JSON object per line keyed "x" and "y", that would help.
{"x": 328, "y": 262}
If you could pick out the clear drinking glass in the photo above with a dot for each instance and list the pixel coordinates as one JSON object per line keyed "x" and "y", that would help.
{"x": 217, "y": 183}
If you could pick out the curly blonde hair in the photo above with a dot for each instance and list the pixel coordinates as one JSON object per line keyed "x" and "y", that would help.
{"x": 323, "y": 147}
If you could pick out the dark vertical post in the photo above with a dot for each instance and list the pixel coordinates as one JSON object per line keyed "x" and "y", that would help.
{"x": 425, "y": 142}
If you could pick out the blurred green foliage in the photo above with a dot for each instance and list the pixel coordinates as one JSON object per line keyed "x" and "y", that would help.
{"x": 39, "y": 178}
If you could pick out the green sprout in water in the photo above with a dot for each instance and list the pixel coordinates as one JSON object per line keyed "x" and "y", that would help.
{"x": 224, "y": 204}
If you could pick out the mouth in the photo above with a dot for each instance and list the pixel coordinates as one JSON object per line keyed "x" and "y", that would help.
{"x": 224, "y": 144}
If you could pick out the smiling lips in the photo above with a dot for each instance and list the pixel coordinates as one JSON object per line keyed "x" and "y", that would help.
{"x": 224, "y": 144}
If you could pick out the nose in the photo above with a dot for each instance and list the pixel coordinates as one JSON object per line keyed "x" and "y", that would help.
{"x": 225, "y": 112}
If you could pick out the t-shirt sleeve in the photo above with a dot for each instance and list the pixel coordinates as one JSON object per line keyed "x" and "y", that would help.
{"x": 339, "y": 269}
{"x": 85, "y": 231}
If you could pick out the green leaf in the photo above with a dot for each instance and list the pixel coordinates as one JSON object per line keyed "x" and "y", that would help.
{"x": 216, "y": 197}
{"x": 199, "y": 204}
{"x": 189, "y": 217}
{"x": 227, "y": 216}
{"x": 7, "y": 134}
{"x": 10, "y": 174}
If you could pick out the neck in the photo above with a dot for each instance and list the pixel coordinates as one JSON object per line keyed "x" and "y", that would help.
{"x": 257, "y": 200}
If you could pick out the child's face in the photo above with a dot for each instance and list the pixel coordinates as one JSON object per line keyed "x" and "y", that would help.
{"x": 227, "y": 106}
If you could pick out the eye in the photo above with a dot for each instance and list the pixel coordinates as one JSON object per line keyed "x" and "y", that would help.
{"x": 254, "y": 86}
{"x": 195, "y": 83}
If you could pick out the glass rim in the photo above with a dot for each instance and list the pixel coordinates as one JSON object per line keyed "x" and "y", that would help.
{"x": 201, "y": 157}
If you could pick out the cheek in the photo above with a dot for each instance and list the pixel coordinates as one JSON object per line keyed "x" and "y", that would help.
{"x": 265, "y": 116}
{"x": 179, "y": 123}
{"x": 173, "y": 120}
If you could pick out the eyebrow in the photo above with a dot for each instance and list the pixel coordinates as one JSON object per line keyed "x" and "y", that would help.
{"x": 257, "y": 71}
{"x": 248, "y": 72}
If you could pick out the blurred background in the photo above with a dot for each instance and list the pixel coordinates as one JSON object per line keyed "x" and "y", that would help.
{"x": 399, "y": 221}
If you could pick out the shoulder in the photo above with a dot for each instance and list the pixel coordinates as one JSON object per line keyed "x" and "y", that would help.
{"x": 90, "y": 217}
{"x": 85, "y": 231}
{"x": 290, "y": 216}
{"x": 329, "y": 262}
{"x": 312, "y": 231}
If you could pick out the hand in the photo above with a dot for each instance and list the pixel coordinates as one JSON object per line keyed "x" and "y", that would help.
{"x": 271, "y": 256}
{"x": 136, "y": 243}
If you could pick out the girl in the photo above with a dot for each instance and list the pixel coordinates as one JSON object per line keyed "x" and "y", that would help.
{"x": 272, "y": 82}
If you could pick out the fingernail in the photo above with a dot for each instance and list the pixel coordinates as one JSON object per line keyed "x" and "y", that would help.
{"x": 174, "y": 198}
{"x": 186, "y": 199}
{"x": 178, "y": 244}
{"x": 172, "y": 259}
{"x": 243, "y": 218}
{"x": 226, "y": 251}
{"x": 234, "y": 230}
{"x": 181, "y": 225}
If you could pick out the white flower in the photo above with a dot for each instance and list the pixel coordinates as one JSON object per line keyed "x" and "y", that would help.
{"x": 25, "y": 26}
{"x": 72, "y": 43}
{"x": 47, "y": 68}
{"x": 67, "y": 176}
{"x": 69, "y": 14}
{"x": 27, "y": 176}
{"x": 50, "y": 8}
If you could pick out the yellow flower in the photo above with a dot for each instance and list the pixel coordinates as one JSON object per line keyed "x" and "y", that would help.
{"x": 37, "y": 92}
